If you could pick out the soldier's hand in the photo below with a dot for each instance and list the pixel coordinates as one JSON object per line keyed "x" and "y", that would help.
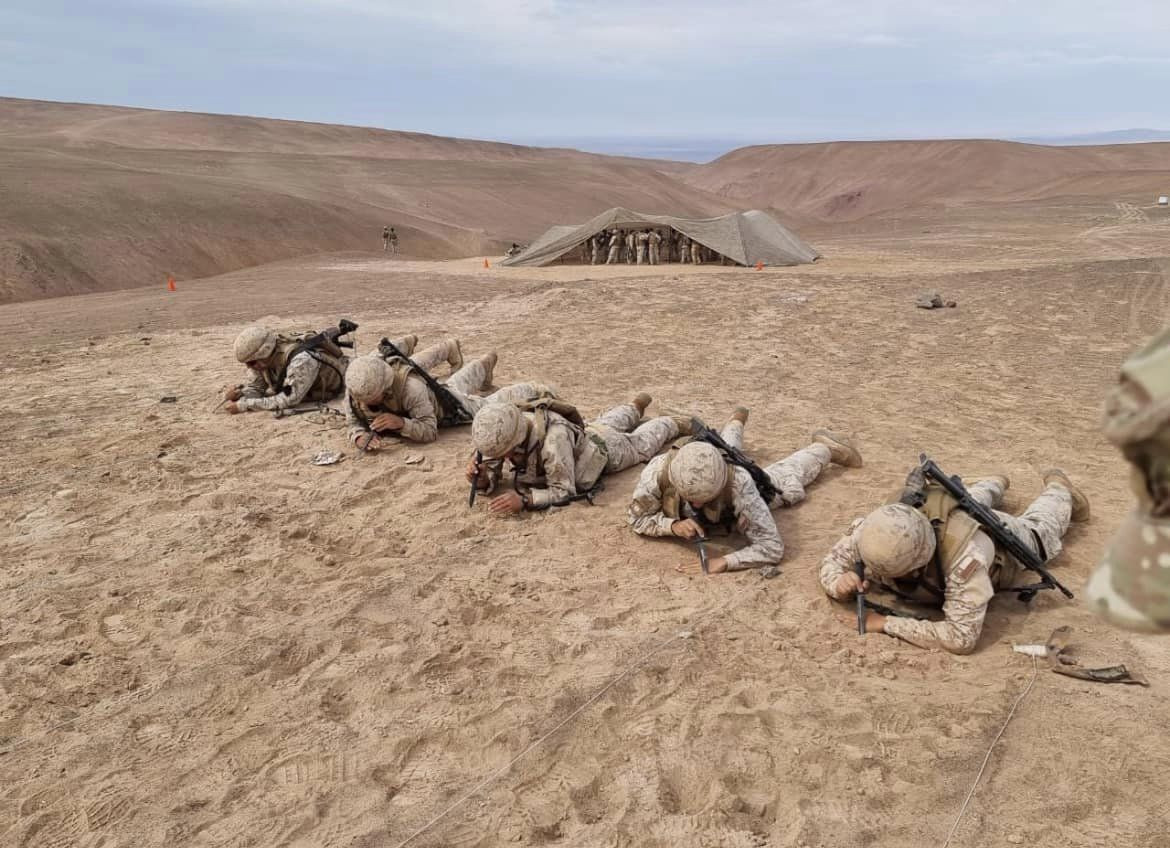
{"x": 233, "y": 392}
{"x": 848, "y": 584}
{"x": 233, "y": 408}
{"x": 472, "y": 472}
{"x": 367, "y": 441}
{"x": 687, "y": 528}
{"x": 507, "y": 503}
{"x": 388, "y": 421}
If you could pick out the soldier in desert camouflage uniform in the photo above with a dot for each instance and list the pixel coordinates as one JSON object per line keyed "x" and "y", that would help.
{"x": 655, "y": 243}
{"x": 691, "y": 491}
{"x": 937, "y": 554}
{"x": 1131, "y": 587}
{"x": 555, "y": 458}
{"x": 384, "y": 395}
{"x": 281, "y": 373}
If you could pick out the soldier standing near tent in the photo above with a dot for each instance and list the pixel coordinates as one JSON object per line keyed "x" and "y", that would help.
{"x": 696, "y": 253}
{"x": 655, "y": 243}
{"x": 385, "y": 239}
{"x": 684, "y": 249}
{"x": 615, "y": 247}
{"x": 925, "y": 548}
{"x": 630, "y": 239}
{"x": 595, "y": 248}
{"x": 643, "y": 239}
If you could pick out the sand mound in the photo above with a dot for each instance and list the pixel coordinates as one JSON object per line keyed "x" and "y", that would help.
{"x": 844, "y": 181}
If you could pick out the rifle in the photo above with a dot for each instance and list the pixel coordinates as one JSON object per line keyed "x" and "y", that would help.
{"x": 859, "y": 569}
{"x": 448, "y": 401}
{"x": 310, "y": 344}
{"x": 701, "y": 540}
{"x": 996, "y": 529}
{"x": 475, "y": 480}
{"x": 735, "y": 456}
{"x": 882, "y": 609}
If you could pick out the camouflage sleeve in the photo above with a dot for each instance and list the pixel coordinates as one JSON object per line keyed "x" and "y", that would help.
{"x": 255, "y": 387}
{"x": 300, "y": 376}
{"x": 839, "y": 560}
{"x": 560, "y": 463}
{"x": 756, "y": 522}
{"x": 645, "y": 513}
{"x": 968, "y": 593}
{"x": 357, "y": 429}
{"x": 421, "y": 424}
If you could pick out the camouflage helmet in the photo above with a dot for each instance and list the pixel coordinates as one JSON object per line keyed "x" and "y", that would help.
{"x": 367, "y": 378}
{"x": 255, "y": 342}
{"x": 698, "y": 472}
{"x": 1131, "y": 586}
{"x": 895, "y": 540}
{"x": 497, "y": 429}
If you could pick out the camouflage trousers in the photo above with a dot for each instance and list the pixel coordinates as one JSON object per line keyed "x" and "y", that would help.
{"x": 790, "y": 475}
{"x": 1047, "y": 517}
{"x": 628, "y": 442}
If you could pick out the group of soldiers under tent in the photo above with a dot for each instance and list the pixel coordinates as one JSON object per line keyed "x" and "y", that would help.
{"x": 938, "y": 544}
{"x": 389, "y": 240}
{"x": 646, "y": 246}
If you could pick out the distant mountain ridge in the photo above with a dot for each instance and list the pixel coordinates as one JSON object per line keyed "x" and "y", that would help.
{"x": 1140, "y": 135}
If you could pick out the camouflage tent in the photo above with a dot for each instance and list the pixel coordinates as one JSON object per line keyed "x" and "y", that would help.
{"x": 746, "y": 238}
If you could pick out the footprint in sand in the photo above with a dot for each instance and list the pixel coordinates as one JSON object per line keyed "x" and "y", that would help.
{"x": 119, "y": 631}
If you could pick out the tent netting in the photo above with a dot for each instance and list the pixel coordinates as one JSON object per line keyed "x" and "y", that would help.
{"x": 743, "y": 237}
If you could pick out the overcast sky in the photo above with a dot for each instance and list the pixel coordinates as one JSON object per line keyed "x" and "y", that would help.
{"x": 749, "y": 70}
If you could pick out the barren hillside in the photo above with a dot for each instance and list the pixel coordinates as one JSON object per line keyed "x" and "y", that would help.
{"x": 844, "y": 181}
{"x": 104, "y": 198}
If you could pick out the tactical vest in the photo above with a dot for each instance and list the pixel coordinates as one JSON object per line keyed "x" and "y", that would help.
{"x": 953, "y": 531}
{"x": 330, "y": 376}
{"x": 716, "y": 514}
{"x": 590, "y": 463}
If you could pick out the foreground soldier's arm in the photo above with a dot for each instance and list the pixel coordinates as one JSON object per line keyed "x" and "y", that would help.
{"x": 357, "y": 429}
{"x": 420, "y": 423}
{"x": 756, "y": 522}
{"x": 300, "y": 376}
{"x": 256, "y": 387}
{"x": 840, "y": 561}
{"x": 560, "y": 462}
{"x": 968, "y": 592}
{"x": 645, "y": 514}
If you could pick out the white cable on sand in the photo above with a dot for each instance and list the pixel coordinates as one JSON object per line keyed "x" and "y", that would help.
{"x": 983, "y": 767}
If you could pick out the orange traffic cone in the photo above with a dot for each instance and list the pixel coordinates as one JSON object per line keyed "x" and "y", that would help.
{"x": 170, "y": 282}
{"x": 760, "y": 265}
{"x": 486, "y": 264}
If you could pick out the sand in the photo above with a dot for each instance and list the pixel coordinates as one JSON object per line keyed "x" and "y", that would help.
{"x": 205, "y": 640}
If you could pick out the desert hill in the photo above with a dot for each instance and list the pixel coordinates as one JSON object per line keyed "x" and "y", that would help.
{"x": 843, "y": 181}
{"x": 103, "y": 198}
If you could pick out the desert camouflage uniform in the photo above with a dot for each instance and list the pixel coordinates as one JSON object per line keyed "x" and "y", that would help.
{"x": 684, "y": 249}
{"x": 754, "y": 518}
{"x": 642, "y": 240}
{"x": 655, "y": 241}
{"x": 615, "y": 248}
{"x": 417, "y": 404}
{"x": 301, "y": 378}
{"x": 969, "y": 585}
{"x": 570, "y": 460}
{"x": 696, "y": 253}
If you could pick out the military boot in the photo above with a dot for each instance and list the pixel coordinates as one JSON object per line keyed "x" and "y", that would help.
{"x": 1080, "y": 502}
{"x": 1131, "y": 586}
{"x": 740, "y": 414}
{"x": 683, "y": 422}
{"x": 455, "y": 356}
{"x": 640, "y": 402}
{"x": 409, "y": 343}
{"x": 841, "y": 451}
{"x": 489, "y": 367}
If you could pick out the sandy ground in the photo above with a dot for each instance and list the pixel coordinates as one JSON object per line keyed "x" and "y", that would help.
{"x": 206, "y": 641}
